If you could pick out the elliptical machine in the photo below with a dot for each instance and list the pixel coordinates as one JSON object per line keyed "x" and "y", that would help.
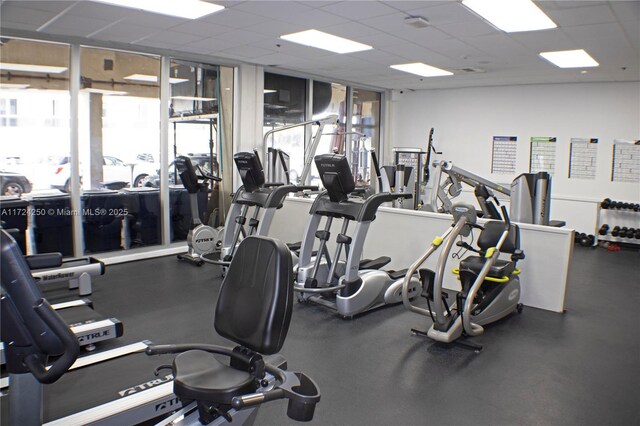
{"x": 349, "y": 286}
{"x": 263, "y": 198}
{"x": 490, "y": 287}
{"x": 201, "y": 238}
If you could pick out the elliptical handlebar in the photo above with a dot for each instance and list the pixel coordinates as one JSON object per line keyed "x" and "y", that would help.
{"x": 205, "y": 176}
{"x": 371, "y": 204}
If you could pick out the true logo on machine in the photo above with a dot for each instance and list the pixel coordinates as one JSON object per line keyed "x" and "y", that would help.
{"x": 144, "y": 386}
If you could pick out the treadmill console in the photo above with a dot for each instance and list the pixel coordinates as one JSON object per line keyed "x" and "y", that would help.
{"x": 336, "y": 176}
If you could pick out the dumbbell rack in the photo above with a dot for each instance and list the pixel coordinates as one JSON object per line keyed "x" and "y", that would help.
{"x": 623, "y": 217}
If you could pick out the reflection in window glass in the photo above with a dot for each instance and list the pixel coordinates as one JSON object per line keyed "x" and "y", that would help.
{"x": 284, "y": 103}
{"x": 35, "y": 139}
{"x": 196, "y": 130}
{"x": 365, "y": 119}
{"x": 119, "y": 136}
{"x": 330, "y": 98}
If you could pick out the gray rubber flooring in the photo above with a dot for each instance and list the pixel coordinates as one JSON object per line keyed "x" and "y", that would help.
{"x": 538, "y": 368}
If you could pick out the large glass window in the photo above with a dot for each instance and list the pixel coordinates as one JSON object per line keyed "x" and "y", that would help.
{"x": 34, "y": 140}
{"x": 199, "y": 128}
{"x": 119, "y": 146}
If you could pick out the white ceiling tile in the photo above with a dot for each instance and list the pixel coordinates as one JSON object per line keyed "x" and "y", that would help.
{"x": 499, "y": 44}
{"x": 276, "y": 58}
{"x": 76, "y": 26}
{"x": 380, "y": 40}
{"x": 413, "y": 5}
{"x": 546, "y": 40}
{"x": 445, "y": 13}
{"x": 632, "y": 30}
{"x": 454, "y": 48}
{"x": 478, "y": 27}
{"x": 567, "y": 4}
{"x": 292, "y": 49}
{"x": 124, "y": 32}
{"x": 32, "y": 17}
{"x": 316, "y": 3}
{"x": 90, "y": 9}
{"x": 234, "y": 18}
{"x": 242, "y": 36}
{"x": 47, "y": 6}
{"x": 356, "y": 10}
{"x": 273, "y": 9}
{"x": 214, "y": 44}
{"x": 174, "y": 38}
{"x": 248, "y": 52}
{"x": 379, "y": 57}
{"x": 350, "y": 30}
{"x": 159, "y": 44}
{"x": 154, "y": 20}
{"x": 582, "y": 15}
{"x": 626, "y": 10}
{"x": 317, "y": 19}
{"x": 227, "y": 3}
{"x": 274, "y": 30}
{"x": 395, "y": 25}
{"x": 203, "y": 29}
{"x": 414, "y": 53}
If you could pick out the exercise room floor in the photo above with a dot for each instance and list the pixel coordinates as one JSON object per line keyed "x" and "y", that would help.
{"x": 577, "y": 368}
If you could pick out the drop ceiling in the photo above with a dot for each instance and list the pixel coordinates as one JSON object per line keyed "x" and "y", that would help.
{"x": 456, "y": 39}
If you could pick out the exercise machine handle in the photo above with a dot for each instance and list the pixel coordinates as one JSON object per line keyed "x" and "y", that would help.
{"x": 505, "y": 215}
{"x": 239, "y": 402}
{"x": 208, "y": 176}
{"x": 36, "y": 364}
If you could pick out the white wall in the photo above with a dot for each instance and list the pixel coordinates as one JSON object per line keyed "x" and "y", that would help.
{"x": 404, "y": 235}
{"x": 465, "y": 121}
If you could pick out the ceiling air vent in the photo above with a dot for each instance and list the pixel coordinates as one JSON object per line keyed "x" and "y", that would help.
{"x": 471, "y": 70}
{"x": 416, "y": 22}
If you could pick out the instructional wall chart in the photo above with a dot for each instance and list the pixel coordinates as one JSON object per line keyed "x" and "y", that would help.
{"x": 543, "y": 155}
{"x": 503, "y": 157}
{"x": 626, "y": 162}
{"x": 583, "y": 154}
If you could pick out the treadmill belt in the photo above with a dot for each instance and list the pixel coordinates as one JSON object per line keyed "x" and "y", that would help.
{"x": 82, "y": 389}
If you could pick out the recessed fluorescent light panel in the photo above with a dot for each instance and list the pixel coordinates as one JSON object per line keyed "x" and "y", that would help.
{"x": 45, "y": 69}
{"x": 193, "y": 98}
{"x": 104, "y": 91}
{"x": 421, "y": 69}
{"x": 511, "y": 16}
{"x": 315, "y": 38}
{"x": 12, "y": 86}
{"x": 188, "y": 9}
{"x": 153, "y": 78}
{"x": 269, "y": 91}
{"x": 570, "y": 59}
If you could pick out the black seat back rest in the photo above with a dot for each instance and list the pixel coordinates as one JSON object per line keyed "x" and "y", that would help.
{"x": 491, "y": 234}
{"x": 256, "y": 298}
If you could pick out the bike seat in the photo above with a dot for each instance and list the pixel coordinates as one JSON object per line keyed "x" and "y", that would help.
{"x": 500, "y": 268}
{"x": 200, "y": 376}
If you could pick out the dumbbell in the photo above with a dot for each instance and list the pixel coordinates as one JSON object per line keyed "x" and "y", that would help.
{"x": 587, "y": 240}
{"x": 626, "y": 206}
{"x": 637, "y": 234}
{"x": 623, "y": 232}
{"x": 636, "y": 207}
{"x": 631, "y": 232}
{"x": 606, "y": 203}
{"x": 604, "y": 229}
{"x": 616, "y": 231}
